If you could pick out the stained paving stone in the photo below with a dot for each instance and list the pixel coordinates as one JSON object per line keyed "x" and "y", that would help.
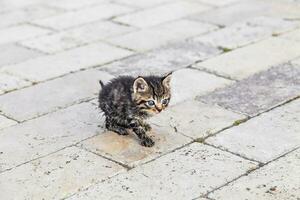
{"x": 246, "y": 32}
{"x": 51, "y": 66}
{"x": 12, "y": 54}
{"x": 259, "y": 92}
{"x": 22, "y": 32}
{"x": 76, "y": 37}
{"x": 127, "y": 149}
{"x": 56, "y": 176}
{"x": 265, "y": 137}
{"x": 8, "y": 83}
{"x": 196, "y": 119}
{"x": 277, "y": 180}
{"x": 48, "y": 134}
{"x": 186, "y": 84}
{"x": 52, "y": 95}
{"x": 162, "y": 60}
{"x": 185, "y": 174}
{"x": 248, "y": 60}
{"x": 161, "y": 34}
{"x": 5, "y": 122}
{"x": 161, "y": 14}
{"x": 27, "y": 14}
{"x": 80, "y": 17}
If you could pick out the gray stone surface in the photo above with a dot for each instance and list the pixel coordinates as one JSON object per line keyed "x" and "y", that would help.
{"x": 52, "y": 95}
{"x": 236, "y": 12}
{"x": 246, "y": 32}
{"x": 74, "y": 4}
{"x": 47, "y": 134}
{"x": 12, "y": 54}
{"x": 162, "y": 60}
{"x": 161, "y": 14}
{"x": 76, "y": 37}
{"x": 265, "y": 137}
{"x": 293, "y": 35}
{"x": 21, "y": 32}
{"x": 196, "y": 119}
{"x": 127, "y": 149}
{"x": 246, "y": 61}
{"x": 9, "y": 83}
{"x": 56, "y": 176}
{"x": 80, "y": 17}
{"x": 161, "y": 34}
{"x": 5, "y": 122}
{"x": 26, "y": 14}
{"x": 278, "y": 180}
{"x": 259, "y": 92}
{"x": 186, "y": 84}
{"x": 184, "y": 174}
{"x": 51, "y": 66}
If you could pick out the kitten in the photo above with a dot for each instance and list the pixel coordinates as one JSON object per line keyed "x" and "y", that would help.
{"x": 127, "y": 102}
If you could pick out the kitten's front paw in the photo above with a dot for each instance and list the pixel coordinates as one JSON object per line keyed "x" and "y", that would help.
{"x": 147, "y": 142}
{"x": 147, "y": 127}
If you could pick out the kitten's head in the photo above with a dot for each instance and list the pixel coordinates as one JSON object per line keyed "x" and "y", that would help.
{"x": 152, "y": 94}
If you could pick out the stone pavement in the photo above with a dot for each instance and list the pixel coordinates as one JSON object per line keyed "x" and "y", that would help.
{"x": 232, "y": 130}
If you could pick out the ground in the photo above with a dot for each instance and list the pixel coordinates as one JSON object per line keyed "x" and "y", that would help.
{"x": 232, "y": 131}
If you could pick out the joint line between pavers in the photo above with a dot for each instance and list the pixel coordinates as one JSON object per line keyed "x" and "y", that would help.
{"x": 127, "y": 167}
{"x": 211, "y": 72}
{"x": 250, "y": 171}
{"x": 233, "y": 153}
{"x": 48, "y": 154}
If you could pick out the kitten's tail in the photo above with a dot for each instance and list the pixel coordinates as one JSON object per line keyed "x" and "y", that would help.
{"x": 101, "y": 83}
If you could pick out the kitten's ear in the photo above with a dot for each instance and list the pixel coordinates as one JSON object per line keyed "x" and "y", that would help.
{"x": 140, "y": 85}
{"x": 166, "y": 80}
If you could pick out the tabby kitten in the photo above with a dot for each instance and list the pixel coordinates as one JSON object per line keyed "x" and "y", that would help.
{"x": 127, "y": 102}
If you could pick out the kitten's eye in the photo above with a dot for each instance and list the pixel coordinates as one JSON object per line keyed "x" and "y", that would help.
{"x": 150, "y": 103}
{"x": 165, "y": 101}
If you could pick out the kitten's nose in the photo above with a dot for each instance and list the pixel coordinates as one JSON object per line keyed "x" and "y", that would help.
{"x": 158, "y": 109}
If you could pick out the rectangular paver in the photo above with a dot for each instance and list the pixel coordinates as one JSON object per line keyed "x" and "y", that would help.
{"x": 163, "y": 13}
{"x": 277, "y": 180}
{"x": 247, "y": 32}
{"x": 265, "y": 137}
{"x": 127, "y": 149}
{"x": 142, "y": 3}
{"x": 196, "y": 119}
{"x": 259, "y": 92}
{"x": 161, "y": 34}
{"x": 246, "y": 61}
{"x": 47, "y": 134}
{"x": 186, "y": 84}
{"x": 73, "y": 4}
{"x": 5, "y": 122}
{"x": 21, "y": 32}
{"x": 9, "y": 82}
{"x": 49, "y": 96}
{"x": 236, "y": 12}
{"x": 52, "y": 66}
{"x": 27, "y": 14}
{"x": 80, "y": 17}
{"x": 12, "y": 54}
{"x": 185, "y": 174}
{"x": 162, "y": 60}
{"x": 76, "y": 37}
{"x": 56, "y": 176}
